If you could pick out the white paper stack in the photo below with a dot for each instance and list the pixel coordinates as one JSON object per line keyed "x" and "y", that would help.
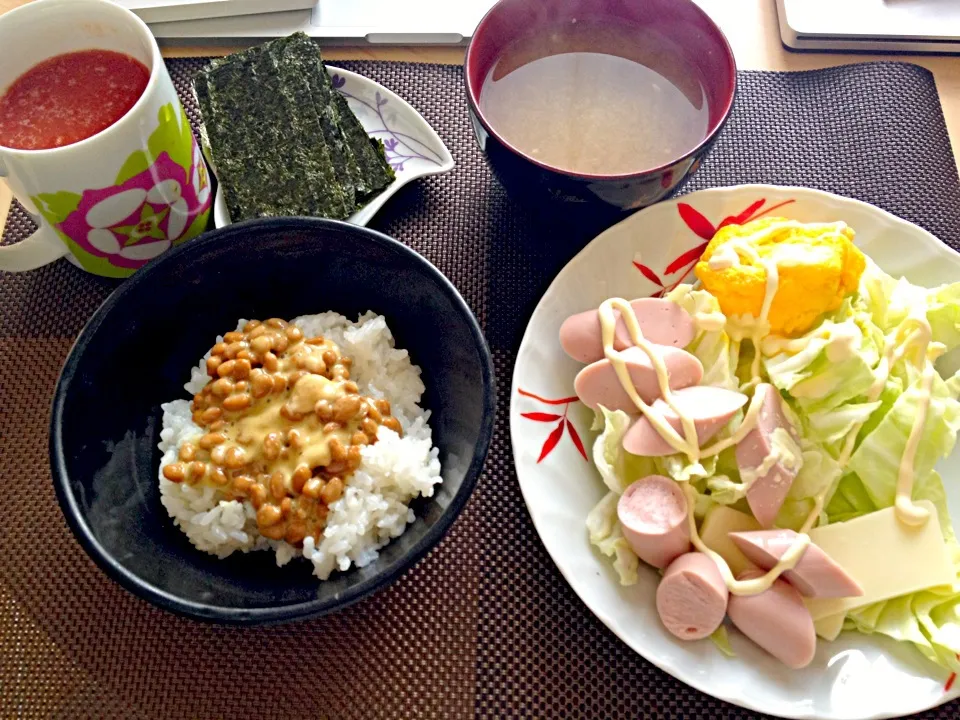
{"x": 158, "y": 11}
{"x": 378, "y": 22}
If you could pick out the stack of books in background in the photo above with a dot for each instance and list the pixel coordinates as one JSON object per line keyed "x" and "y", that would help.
{"x": 164, "y": 11}
{"x": 380, "y": 22}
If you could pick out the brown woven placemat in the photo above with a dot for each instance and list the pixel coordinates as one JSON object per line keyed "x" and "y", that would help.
{"x": 485, "y": 625}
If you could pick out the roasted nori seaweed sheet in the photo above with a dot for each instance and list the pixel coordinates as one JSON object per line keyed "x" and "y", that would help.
{"x": 376, "y": 171}
{"x": 317, "y": 160}
{"x": 309, "y": 82}
{"x": 284, "y": 170}
{"x": 228, "y": 164}
{"x": 282, "y": 139}
{"x": 231, "y": 151}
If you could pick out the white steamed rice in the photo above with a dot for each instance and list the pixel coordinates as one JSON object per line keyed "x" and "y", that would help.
{"x": 374, "y": 507}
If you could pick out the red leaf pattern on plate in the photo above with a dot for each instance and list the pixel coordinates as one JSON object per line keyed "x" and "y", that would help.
{"x": 556, "y": 434}
{"x": 695, "y": 221}
{"x": 689, "y": 257}
{"x": 950, "y": 680}
{"x": 772, "y": 208}
{"x": 541, "y": 417}
{"x": 648, "y": 273}
{"x": 742, "y": 217}
{"x": 575, "y": 436}
{"x": 551, "y": 442}
{"x": 682, "y": 277}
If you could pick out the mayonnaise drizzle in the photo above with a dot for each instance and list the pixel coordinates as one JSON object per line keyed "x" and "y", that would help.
{"x": 754, "y": 586}
{"x": 724, "y": 257}
{"x": 757, "y": 328}
{"x": 913, "y": 332}
{"x": 908, "y": 512}
{"x": 842, "y": 343}
{"x": 710, "y": 321}
{"x": 775, "y": 344}
{"x": 688, "y": 443}
{"x": 750, "y": 421}
{"x": 818, "y": 502}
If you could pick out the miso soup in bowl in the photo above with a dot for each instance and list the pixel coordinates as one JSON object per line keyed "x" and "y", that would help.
{"x": 598, "y": 100}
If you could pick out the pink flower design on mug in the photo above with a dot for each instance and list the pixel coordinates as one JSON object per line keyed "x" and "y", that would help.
{"x": 136, "y": 221}
{"x": 201, "y": 182}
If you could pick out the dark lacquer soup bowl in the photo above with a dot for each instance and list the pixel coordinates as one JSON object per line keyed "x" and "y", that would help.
{"x": 674, "y": 49}
{"x": 136, "y": 353}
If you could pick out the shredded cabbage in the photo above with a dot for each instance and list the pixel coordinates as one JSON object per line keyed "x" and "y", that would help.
{"x": 820, "y": 473}
{"x": 877, "y": 459}
{"x": 607, "y": 455}
{"x": 721, "y": 639}
{"x": 818, "y": 378}
{"x": 606, "y": 534}
{"x": 712, "y": 345}
{"x": 825, "y": 380}
{"x": 890, "y": 301}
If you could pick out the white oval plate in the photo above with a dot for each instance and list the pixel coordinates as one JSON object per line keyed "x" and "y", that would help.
{"x": 413, "y": 148}
{"x": 853, "y": 677}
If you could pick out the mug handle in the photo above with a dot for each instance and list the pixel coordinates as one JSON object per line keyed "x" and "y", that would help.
{"x": 41, "y": 248}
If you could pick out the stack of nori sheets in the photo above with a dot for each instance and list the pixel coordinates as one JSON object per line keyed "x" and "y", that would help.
{"x": 282, "y": 140}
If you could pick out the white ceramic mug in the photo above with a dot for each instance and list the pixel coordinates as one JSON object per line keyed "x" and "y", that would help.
{"x": 116, "y": 200}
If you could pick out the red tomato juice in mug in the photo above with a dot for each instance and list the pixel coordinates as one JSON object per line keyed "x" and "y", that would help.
{"x": 69, "y": 97}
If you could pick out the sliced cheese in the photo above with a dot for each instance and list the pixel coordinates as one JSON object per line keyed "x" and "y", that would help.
{"x": 885, "y": 556}
{"x": 829, "y": 627}
{"x": 719, "y": 522}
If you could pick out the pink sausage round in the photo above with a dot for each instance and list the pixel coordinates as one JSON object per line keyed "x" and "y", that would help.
{"x": 777, "y": 621}
{"x": 597, "y": 384}
{"x": 709, "y": 407}
{"x": 692, "y": 597}
{"x": 653, "y": 516}
{"x": 661, "y": 321}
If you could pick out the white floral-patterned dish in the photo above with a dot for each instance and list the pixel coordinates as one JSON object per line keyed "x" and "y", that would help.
{"x": 646, "y": 255}
{"x": 413, "y": 148}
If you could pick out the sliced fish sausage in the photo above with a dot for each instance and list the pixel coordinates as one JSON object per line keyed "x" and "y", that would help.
{"x": 709, "y": 407}
{"x": 755, "y": 452}
{"x": 776, "y": 620}
{"x": 815, "y": 575}
{"x": 692, "y": 597}
{"x": 661, "y": 321}
{"x": 653, "y": 517}
{"x": 597, "y": 384}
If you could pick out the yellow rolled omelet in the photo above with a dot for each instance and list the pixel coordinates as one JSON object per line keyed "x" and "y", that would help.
{"x": 817, "y": 264}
